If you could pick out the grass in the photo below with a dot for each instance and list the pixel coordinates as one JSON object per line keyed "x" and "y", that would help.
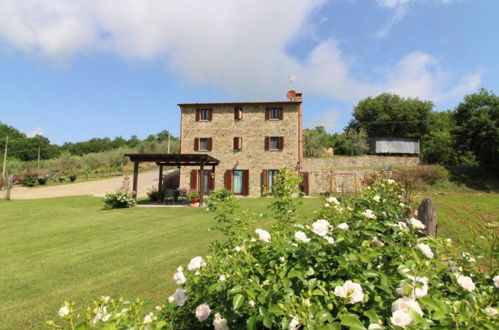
{"x": 462, "y": 211}
{"x": 70, "y": 249}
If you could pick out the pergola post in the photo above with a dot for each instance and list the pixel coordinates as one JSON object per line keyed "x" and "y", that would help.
{"x": 201, "y": 185}
{"x": 160, "y": 180}
{"x": 135, "y": 177}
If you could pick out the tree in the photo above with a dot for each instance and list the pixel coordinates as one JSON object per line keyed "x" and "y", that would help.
{"x": 391, "y": 115}
{"x": 477, "y": 127}
{"x": 316, "y": 140}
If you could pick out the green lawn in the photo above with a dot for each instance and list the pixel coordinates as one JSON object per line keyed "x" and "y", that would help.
{"x": 69, "y": 248}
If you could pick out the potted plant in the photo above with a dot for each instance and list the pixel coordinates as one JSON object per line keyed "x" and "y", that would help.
{"x": 194, "y": 196}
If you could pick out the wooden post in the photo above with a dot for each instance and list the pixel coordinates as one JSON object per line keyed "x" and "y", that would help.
{"x": 201, "y": 185}
{"x": 38, "y": 163}
{"x": 135, "y": 177}
{"x": 160, "y": 181}
{"x": 4, "y": 172}
{"x": 8, "y": 187}
{"x": 427, "y": 213}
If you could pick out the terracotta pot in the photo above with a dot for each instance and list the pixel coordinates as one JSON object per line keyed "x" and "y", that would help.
{"x": 194, "y": 199}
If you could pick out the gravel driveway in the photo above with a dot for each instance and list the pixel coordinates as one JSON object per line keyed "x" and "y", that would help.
{"x": 99, "y": 188}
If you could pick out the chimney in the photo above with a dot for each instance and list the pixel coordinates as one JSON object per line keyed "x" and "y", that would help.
{"x": 298, "y": 97}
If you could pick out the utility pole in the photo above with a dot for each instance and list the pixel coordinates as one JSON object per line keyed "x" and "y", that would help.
{"x": 169, "y": 142}
{"x": 38, "y": 163}
{"x": 5, "y": 158}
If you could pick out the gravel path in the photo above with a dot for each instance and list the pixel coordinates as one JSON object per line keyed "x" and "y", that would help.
{"x": 99, "y": 188}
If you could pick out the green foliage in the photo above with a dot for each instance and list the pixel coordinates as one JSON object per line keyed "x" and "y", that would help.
{"x": 29, "y": 180}
{"x": 391, "y": 115}
{"x": 285, "y": 190}
{"x": 316, "y": 140}
{"x": 477, "y": 127}
{"x": 224, "y": 205}
{"x": 118, "y": 200}
{"x": 72, "y": 177}
{"x": 362, "y": 263}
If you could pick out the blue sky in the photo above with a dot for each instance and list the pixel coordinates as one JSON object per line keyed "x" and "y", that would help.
{"x": 72, "y": 70}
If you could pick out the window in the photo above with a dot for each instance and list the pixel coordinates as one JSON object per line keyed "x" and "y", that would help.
{"x": 274, "y": 143}
{"x": 237, "y": 182}
{"x": 238, "y": 113}
{"x": 273, "y": 113}
{"x": 204, "y": 144}
{"x": 204, "y": 114}
{"x": 271, "y": 178}
{"x": 207, "y": 181}
{"x": 238, "y": 144}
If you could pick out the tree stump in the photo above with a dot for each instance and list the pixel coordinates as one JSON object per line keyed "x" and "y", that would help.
{"x": 427, "y": 213}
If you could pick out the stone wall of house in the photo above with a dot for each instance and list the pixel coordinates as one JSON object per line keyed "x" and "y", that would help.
{"x": 322, "y": 178}
{"x": 253, "y": 129}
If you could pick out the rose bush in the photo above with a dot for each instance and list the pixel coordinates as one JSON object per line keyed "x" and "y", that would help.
{"x": 119, "y": 199}
{"x": 358, "y": 263}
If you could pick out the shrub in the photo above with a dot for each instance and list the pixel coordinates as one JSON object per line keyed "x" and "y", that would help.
{"x": 41, "y": 180}
{"x": 155, "y": 195}
{"x": 359, "y": 263}
{"x": 72, "y": 177}
{"x": 118, "y": 200}
{"x": 29, "y": 180}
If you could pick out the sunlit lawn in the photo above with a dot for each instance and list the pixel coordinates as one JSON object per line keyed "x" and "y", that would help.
{"x": 70, "y": 249}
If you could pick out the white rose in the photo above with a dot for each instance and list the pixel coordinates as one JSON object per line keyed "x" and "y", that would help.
{"x": 171, "y": 299}
{"x": 179, "y": 278}
{"x": 282, "y": 259}
{"x": 490, "y": 311}
{"x": 148, "y": 319}
{"x": 222, "y": 278}
{"x": 203, "y": 312}
{"x": 466, "y": 283}
{"x": 376, "y": 241}
{"x": 402, "y": 226}
{"x": 220, "y": 323}
{"x": 368, "y": 214}
{"x": 406, "y": 304}
{"x": 327, "y": 205}
{"x": 390, "y": 181}
{"x": 251, "y": 303}
{"x": 415, "y": 223}
{"x": 418, "y": 287}
{"x": 330, "y": 240}
{"x": 333, "y": 200}
{"x": 321, "y": 227}
{"x": 496, "y": 281}
{"x": 401, "y": 318}
{"x": 401, "y": 204}
{"x": 377, "y": 198}
{"x": 195, "y": 263}
{"x": 238, "y": 248}
{"x": 301, "y": 237}
{"x": 343, "y": 226}
{"x": 350, "y": 291}
{"x": 425, "y": 249}
{"x": 63, "y": 311}
{"x": 293, "y": 324}
{"x": 180, "y": 297}
{"x": 263, "y": 235}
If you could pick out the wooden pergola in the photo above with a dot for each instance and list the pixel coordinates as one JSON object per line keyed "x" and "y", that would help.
{"x": 178, "y": 160}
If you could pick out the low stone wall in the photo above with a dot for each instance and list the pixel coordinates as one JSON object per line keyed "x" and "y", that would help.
{"x": 321, "y": 170}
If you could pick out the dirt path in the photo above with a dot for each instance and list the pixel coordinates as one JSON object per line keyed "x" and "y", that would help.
{"x": 99, "y": 188}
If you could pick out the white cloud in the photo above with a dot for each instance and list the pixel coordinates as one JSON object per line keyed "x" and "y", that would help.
{"x": 400, "y": 8}
{"x": 240, "y": 46}
{"x": 35, "y": 132}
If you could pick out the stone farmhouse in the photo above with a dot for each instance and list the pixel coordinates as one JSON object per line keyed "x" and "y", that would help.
{"x": 252, "y": 141}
